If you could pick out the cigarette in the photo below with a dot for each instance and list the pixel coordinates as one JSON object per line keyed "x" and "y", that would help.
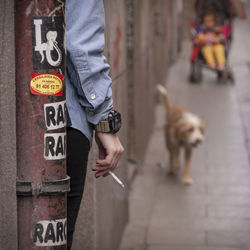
{"x": 116, "y": 179}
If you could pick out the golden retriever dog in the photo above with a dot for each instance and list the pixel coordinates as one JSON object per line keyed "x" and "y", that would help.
{"x": 183, "y": 130}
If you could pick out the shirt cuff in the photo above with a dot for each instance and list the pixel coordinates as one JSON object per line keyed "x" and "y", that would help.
{"x": 94, "y": 116}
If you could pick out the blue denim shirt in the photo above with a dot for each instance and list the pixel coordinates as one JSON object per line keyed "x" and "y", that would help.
{"x": 88, "y": 85}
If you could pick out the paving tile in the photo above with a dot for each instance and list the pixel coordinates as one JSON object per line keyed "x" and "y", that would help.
{"x": 141, "y": 199}
{"x": 229, "y": 238}
{"x": 229, "y": 189}
{"x": 134, "y": 247}
{"x": 226, "y": 169}
{"x": 157, "y": 235}
{"x": 167, "y": 247}
{"x": 180, "y": 208}
{"x": 203, "y": 224}
{"x": 226, "y": 158}
{"x": 134, "y": 235}
{"x": 229, "y": 199}
{"x": 172, "y": 185}
{"x": 233, "y": 196}
{"x": 229, "y": 211}
{"x": 173, "y": 190}
{"x": 145, "y": 207}
{"x": 234, "y": 179}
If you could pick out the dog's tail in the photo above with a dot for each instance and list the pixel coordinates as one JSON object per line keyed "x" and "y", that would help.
{"x": 164, "y": 94}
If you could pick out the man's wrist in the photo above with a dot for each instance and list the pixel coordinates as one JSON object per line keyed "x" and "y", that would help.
{"x": 110, "y": 125}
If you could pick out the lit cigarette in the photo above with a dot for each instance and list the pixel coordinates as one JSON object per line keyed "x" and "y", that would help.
{"x": 116, "y": 179}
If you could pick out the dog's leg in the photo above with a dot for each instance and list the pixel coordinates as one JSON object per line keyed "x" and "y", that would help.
{"x": 174, "y": 159}
{"x": 186, "y": 178}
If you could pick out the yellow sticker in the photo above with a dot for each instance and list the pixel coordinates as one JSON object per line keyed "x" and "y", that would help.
{"x": 46, "y": 84}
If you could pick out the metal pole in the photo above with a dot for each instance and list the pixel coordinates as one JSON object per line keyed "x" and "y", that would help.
{"x": 41, "y": 119}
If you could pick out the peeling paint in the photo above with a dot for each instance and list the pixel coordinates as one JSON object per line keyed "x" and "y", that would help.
{"x": 29, "y": 9}
{"x": 60, "y": 7}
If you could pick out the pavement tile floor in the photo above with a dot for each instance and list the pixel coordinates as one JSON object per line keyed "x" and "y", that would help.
{"x": 213, "y": 213}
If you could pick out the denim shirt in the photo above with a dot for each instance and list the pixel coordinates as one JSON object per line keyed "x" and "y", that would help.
{"x": 88, "y": 85}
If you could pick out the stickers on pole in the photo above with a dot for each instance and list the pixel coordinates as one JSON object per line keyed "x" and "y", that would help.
{"x": 55, "y": 115}
{"x": 46, "y": 84}
{"x": 48, "y": 42}
{"x": 55, "y": 146}
{"x": 50, "y": 233}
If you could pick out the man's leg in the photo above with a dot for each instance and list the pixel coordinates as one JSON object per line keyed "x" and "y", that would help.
{"x": 77, "y": 158}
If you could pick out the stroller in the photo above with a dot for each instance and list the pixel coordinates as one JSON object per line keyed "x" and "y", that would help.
{"x": 197, "y": 60}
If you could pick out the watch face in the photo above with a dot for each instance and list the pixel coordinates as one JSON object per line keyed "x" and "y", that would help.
{"x": 115, "y": 121}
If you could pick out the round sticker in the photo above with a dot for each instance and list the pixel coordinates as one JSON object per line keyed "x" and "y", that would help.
{"x": 46, "y": 84}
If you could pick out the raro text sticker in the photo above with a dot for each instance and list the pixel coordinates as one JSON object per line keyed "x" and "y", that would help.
{"x": 46, "y": 84}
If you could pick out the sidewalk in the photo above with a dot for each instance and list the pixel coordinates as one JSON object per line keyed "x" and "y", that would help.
{"x": 213, "y": 213}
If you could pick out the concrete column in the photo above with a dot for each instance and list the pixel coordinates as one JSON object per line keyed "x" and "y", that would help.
{"x": 8, "y": 217}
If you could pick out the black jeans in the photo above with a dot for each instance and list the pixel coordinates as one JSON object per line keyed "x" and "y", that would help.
{"x": 77, "y": 158}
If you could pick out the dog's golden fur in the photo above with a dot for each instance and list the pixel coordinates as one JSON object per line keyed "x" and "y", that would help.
{"x": 183, "y": 129}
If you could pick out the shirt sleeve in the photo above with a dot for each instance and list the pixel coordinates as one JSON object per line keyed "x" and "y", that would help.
{"x": 86, "y": 66}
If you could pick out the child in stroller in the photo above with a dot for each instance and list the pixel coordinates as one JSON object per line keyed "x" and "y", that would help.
{"x": 211, "y": 43}
{"x": 211, "y": 39}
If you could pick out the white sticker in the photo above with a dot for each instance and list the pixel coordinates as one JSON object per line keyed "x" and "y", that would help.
{"x": 55, "y": 115}
{"x": 46, "y": 49}
{"x": 55, "y": 146}
{"x": 50, "y": 233}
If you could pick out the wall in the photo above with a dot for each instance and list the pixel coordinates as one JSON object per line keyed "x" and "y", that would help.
{"x": 143, "y": 74}
{"x": 140, "y": 35}
{"x": 151, "y": 53}
{"x": 188, "y": 16}
{"x": 8, "y": 219}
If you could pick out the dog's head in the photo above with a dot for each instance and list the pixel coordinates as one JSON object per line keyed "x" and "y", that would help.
{"x": 190, "y": 130}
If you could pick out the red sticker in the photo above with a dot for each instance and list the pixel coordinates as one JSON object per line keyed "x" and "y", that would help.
{"x": 46, "y": 84}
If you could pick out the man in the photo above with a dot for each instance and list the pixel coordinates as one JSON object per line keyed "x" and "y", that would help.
{"x": 89, "y": 101}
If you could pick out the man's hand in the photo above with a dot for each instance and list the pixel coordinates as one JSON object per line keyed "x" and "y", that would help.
{"x": 110, "y": 151}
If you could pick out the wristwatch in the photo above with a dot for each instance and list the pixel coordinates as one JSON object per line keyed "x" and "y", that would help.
{"x": 110, "y": 125}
